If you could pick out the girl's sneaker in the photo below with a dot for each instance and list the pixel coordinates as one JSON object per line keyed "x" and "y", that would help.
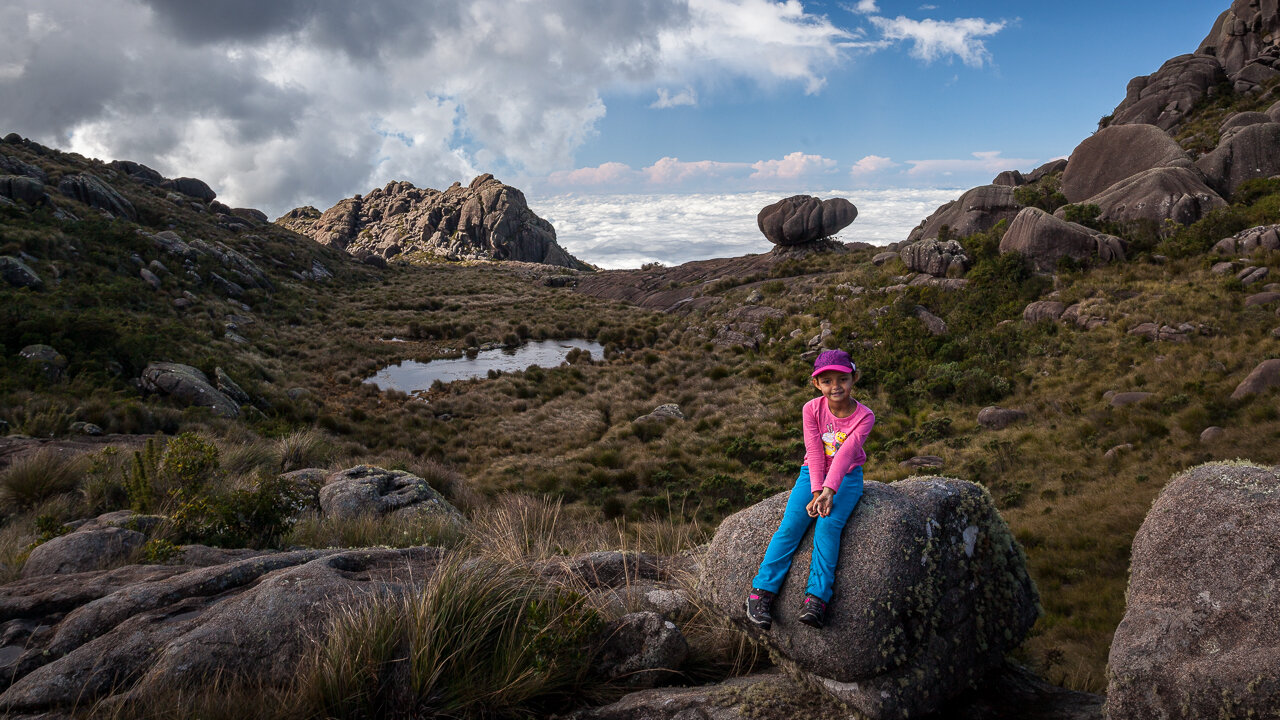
{"x": 759, "y": 605}
{"x": 813, "y": 611}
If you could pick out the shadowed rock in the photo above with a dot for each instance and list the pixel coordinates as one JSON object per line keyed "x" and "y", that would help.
{"x": 1158, "y": 194}
{"x": 1250, "y": 152}
{"x": 804, "y": 219}
{"x": 16, "y": 273}
{"x": 998, "y": 418}
{"x": 641, "y": 650}
{"x": 1053, "y": 166}
{"x": 1012, "y": 178}
{"x": 1042, "y": 310}
{"x": 91, "y": 548}
{"x": 978, "y": 210}
{"x": 92, "y": 191}
{"x": 1199, "y": 638}
{"x": 189, "y": 386}
{"x": 191, "y": 187}
{"x": 931, "y": 590}
{"x": 1262, "y": 237}
{"x": 1116, "y": 153}
{"x": 1264, "y": 377}
{"x": 1044, "y": 240}
{"x": 25, "y": 189}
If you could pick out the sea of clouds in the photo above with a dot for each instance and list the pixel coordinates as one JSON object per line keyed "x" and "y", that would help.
{"x": 626, "y": 231}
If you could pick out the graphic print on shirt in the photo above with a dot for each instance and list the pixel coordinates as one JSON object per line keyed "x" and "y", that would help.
{"x": 832, "y": 439}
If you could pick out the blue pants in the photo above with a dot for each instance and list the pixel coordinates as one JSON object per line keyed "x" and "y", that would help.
{"x": 826, "y": 536}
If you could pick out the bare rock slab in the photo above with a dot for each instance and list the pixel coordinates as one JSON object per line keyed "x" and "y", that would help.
{"x": 366, "y": 489}
{"x": 1199, "y": 638}
{"x": 931, "y": 590}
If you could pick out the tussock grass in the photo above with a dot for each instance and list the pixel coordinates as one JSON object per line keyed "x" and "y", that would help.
{"x": 315, "y": 531}
{"x": 303, "y": 449}
{"x": 482, "y": 641}
{"x": 39, "y": 476}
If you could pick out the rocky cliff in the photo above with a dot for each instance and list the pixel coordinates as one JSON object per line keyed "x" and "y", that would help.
{"x": 484, "y": 220}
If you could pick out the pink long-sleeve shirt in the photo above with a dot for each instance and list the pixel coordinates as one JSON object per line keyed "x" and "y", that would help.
{"x": 833, "y": 445}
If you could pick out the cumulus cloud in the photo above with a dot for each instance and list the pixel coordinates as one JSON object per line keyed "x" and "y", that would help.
{"x": 305, "y": 101}
{"x": 872, "y": 164}
{"x": 988, "y": 161}
{"x": 667, "y": 100}
{"x": 670, "y": 173}
{"x": 935, "y": 39}
{"x": 865, "y": 7}
{"x": 792, "y": 167}
{"x": 626, "y": 231}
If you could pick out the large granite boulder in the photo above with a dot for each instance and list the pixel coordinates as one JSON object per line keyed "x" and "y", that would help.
{"x": 939, "y": 259}
{"x": 1049, "y": 168}
{"x": 93, "y": 546}
{"x": 1200, "y": 637}
{"x": 191, "y": 187}
{"x": 804, "y": 219}
{"x": 28, "y": 190}
{"x": 484, "y": 220}
{"x": 1164, "y": 97}
{"x": 1241, "y": 34}
{"x": 1251, "y": 152}
{"x": 47, "y": 360}
{"x": 977, "y": 210}
{"x": 1164, "y": 193}
{"x": 137, "y": 171}
{"x": 1115, "y": 153}
{"x": 369, "y": 490}
{"x": 1262, "y": 237}
{"x": 1235, "y": 121}
{"x": 92, "y": 635}
{"x": 92, "y": 191}
{"x": 931, "y": 591}
{"x": 187, "y": 385}
{"x": 1044, "y": 239}
{"x": 1263, "y": 377}
{"x": 641, "y": 650}
{"x": 16, "y": 273}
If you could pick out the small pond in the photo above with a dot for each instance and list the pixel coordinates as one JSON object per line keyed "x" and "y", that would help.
{"x": 412, "y": 376}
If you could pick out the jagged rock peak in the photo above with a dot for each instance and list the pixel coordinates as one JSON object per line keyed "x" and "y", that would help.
{"x": 483, "y": 220}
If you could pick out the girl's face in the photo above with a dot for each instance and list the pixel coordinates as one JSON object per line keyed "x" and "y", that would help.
{"x": 834, "y": 385}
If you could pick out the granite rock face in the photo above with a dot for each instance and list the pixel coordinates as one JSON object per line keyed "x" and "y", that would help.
{"x": 1241, "y": 34}
{"x": 1245, "y": 242}
{"x": 1044, "y": 239}
{"x": 366, "y": 489}
{"x": 92, "y": 191}
{"x": 930, "y": 591}
{"x": 939, "y": 259}
{"x": 485, "y": 220}
{"x": 1199, "y": 638}
{"x": 804, "y": 219}
{"x": 978, "y": 210}
{"x": 189, "y": 386}
{"x": 1117, "y": 153}
{"x": 1164, "y": 97}
{"x": 1164, "y": 193}
{"x": 1251, "y": 152}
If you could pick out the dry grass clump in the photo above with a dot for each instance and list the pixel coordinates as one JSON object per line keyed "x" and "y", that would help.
{"x": 483, "y": 640}
{"x": 39, "y": 476}
{"x": 313, "y": 530}
{"x": 303, "y": 449}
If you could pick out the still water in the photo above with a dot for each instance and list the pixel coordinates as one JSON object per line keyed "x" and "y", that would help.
{"x": 412, "y": 376}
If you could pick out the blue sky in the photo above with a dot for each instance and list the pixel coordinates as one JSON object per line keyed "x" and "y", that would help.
{"x": 305, "y": 102}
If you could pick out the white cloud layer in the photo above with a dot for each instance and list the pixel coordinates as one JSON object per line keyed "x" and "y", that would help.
{"x": 626, "y": 231}
{"x": 935, "y": 39}
{"x": 989, "y": 161}
{"x": 666, "y": 100}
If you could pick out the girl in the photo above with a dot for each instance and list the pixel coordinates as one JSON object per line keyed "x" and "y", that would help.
{"x": 829, "y": 486}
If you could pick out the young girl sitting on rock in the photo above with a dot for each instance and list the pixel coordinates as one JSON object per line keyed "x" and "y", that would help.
{"x": 828, "y": 489}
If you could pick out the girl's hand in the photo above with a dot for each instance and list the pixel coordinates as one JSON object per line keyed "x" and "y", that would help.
{"x": 811, "y": 508}
{"x": 821, "y": 504}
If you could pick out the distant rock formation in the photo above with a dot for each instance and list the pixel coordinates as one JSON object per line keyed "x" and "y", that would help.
{"x": 486, "y": 220}
{"x": 978, "y": 210}
{"x": 1118, "y": 153}
{"x": 802, "y": 219}
{"x": 1044, "y": 240}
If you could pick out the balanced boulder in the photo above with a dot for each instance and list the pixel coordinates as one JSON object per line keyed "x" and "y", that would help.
{"x": 1199, "y": 637}
{"x": 189, "y": 386}
{"x": 931, "y": 590}
{"x": 977, "y": 210}
{"x": 369, "y": 490}
{"x": 802, "y": 219}
{"x": 1116, "y": 153}
{"x": 1044, "y": 239}
{"x": 1250, "y": 152}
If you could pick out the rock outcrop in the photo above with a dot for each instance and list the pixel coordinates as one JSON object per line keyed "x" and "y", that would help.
{"x": 939, "y": 259}
{"x": 368, "y": 490}
{"x": 92, "y": 191}
{"x": 484, "y": 220}
{"x": 1263, "y": 377}
{"x": 977, "y": 210}
{"x": 189, "y": 386}
{"x": 931, "y": 590}
{"x": 1164, "y": 193}
{"x": 802, "y": 219}
{"x": 1044, "y": 240}
{"x": 1164, "y": 97}
{"x": 1199, "y": 638}
{"x": 1262, "y": 237}
{"x": 1241, "y": 34}
{"x": 1251, "y": 152}
{"x": 1118, "y": 153}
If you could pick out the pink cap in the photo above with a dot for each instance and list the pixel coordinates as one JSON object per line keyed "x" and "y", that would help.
{"x": 832, "y": 360}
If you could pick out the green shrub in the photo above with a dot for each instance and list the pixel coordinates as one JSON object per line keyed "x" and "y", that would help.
{"x": 258, "y": 517}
